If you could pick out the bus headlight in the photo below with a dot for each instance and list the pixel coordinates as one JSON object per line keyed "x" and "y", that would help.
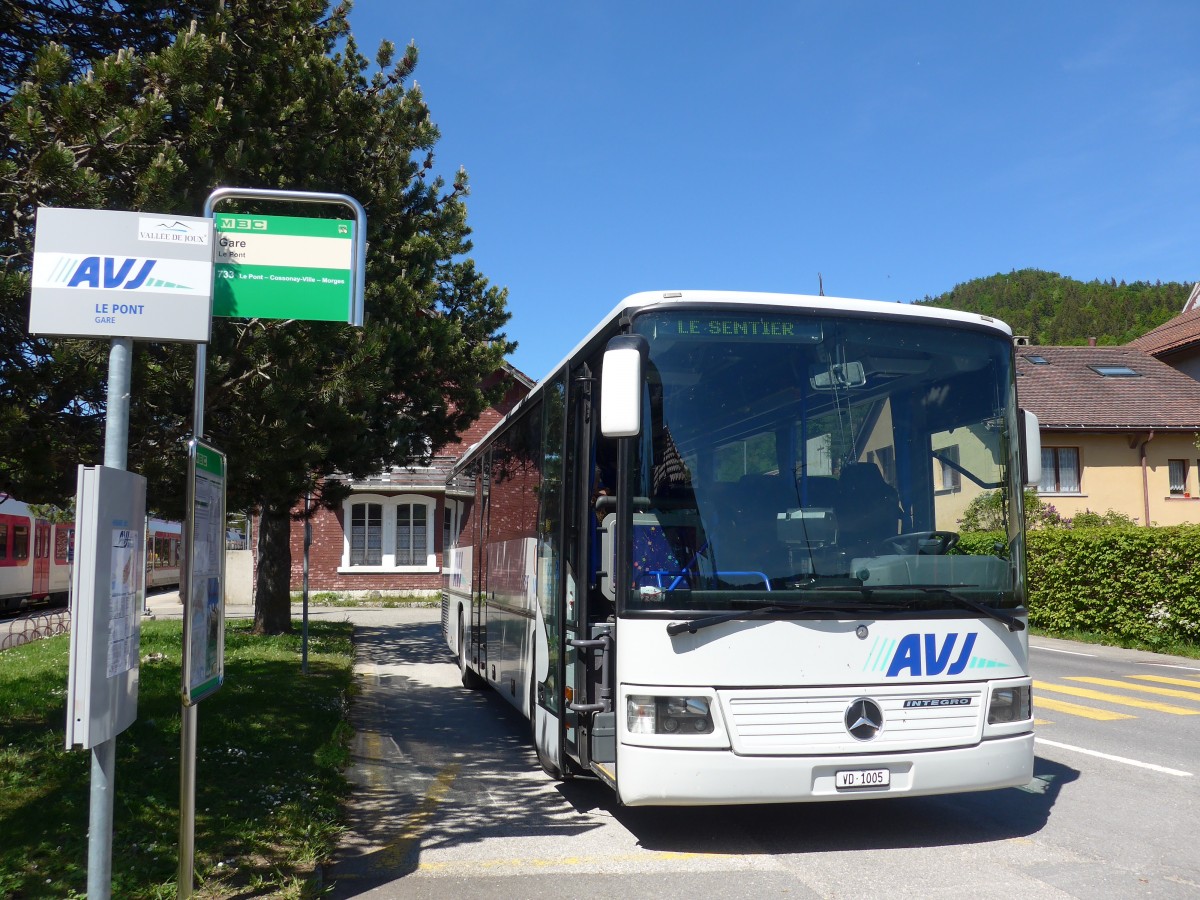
{"x": 646, "y": 714}
{"x": 1010, "y": 704}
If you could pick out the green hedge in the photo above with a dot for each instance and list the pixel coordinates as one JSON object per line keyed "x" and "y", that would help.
{"x": 1135, "y": 583}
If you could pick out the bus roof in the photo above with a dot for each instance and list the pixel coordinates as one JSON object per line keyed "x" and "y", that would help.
{"x": 806, "y": 302}
{"x": 644, "y": 299}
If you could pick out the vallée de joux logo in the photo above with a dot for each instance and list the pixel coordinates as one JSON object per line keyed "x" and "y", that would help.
{"x": 171, "y": 231}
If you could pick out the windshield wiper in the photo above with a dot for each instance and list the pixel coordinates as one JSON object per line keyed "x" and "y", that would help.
{"x": 1011, "y": 622}
{"x": 693, "y": 625}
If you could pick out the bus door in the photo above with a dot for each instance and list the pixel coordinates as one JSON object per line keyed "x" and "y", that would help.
{"x": 41, "y": 560}
{"x": 589, "y": 628}
{"x": 553, "y": 572}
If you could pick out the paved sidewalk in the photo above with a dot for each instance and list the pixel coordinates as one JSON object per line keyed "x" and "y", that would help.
{"x": 403, "y": 671}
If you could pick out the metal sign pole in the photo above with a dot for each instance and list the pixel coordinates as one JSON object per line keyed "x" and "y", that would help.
{"x": 187, "y": 724}
{"x": 307, "y": 544}
{"x": 104, "y": 754}
{"x": 187, "y": 734}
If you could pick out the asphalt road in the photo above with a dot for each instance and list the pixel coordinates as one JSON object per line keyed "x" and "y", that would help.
{"x": 450, "y": 802}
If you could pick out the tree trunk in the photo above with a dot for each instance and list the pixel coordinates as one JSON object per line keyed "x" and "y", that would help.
{"x": 272, "y": 588}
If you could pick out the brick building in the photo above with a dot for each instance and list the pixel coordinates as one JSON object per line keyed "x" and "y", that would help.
{"x": 389, "y": 535}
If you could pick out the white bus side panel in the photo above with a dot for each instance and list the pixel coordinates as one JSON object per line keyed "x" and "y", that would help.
{"x": 512, "y": 601}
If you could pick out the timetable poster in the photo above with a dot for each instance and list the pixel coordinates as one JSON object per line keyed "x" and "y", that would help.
{"x": 205, "y": 641}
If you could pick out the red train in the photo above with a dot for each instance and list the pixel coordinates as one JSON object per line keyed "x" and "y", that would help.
{"x": 36, "y": 556}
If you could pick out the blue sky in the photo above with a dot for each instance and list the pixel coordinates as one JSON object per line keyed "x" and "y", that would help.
{"x": 896, "y": 148}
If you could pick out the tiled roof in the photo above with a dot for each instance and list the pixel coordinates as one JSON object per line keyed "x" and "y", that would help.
{"x": 1066, "y": 393}
{"x": 1176, "y": 334}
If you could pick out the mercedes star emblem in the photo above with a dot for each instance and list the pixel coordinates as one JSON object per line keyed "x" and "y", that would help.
{"x": 864, "y": 719}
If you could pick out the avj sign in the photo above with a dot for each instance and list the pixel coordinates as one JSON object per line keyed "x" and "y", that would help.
{"x": 103, "y": 273}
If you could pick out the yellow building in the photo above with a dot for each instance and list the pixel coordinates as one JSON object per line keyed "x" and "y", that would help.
{"x": 1119, "y": 431}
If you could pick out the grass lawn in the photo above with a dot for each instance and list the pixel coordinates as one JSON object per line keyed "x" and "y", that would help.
{"x": 271, "y": 747}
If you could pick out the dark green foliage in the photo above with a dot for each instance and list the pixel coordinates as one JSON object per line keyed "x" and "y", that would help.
{"x": 1134, "y": 584}
{"x": 1052, "y": 309}
{"x": 271, "y": 749}
{"x": 252, "y": 93}
{"x": 88, "y": 29}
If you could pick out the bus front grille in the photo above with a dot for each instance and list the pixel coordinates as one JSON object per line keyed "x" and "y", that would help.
{"x": 814, "y": 720}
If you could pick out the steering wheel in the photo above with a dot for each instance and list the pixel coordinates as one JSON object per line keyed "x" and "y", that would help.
{"x": 923, "y": 543}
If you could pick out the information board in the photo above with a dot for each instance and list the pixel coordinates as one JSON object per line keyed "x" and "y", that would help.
{"x": 109, "y": 273}
{"x": 283, "y": 267}
{"x": 204, "y": 574}
{"x": 108, "y": 588}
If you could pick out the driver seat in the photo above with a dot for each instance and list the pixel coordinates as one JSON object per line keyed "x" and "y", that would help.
{"x": 868, "y": 508}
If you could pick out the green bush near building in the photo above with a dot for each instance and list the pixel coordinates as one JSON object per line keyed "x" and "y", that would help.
{"x": 1133, "y": 586}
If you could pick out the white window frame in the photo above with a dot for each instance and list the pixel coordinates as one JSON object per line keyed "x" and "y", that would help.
{"x": 950, "y": 478}
{"x": 1184, "y": 489}
{"x": 1053, "y": 471}
{"x": 451, "y": 524}
{"x": 390, "y": 502}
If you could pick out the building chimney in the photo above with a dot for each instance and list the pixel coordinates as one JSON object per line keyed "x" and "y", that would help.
{"x": 1020, "y": 340}
{"x": 1091, "y": 342}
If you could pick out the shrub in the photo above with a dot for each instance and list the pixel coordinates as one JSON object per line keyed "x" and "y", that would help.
{"x": 987, "y": 512}
{"x": 1137, "y": 584}
{"x": 1110, "y": 519}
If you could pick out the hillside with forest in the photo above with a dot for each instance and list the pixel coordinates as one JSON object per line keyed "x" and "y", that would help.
{"x": 1055, "y": 310}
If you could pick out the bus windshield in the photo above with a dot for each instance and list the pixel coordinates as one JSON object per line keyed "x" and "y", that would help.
{"x": 791, "y": 458}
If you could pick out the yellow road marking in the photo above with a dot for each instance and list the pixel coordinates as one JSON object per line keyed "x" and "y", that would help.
{"x": 397, "y": 851}
{"x": 1163, "y": 679}
{"x": 1162, "y": 692}
{"x": 1037, "y": 722}
{"x": 1115, "y": 698}
{"x": 372, "y": 750}
{"x": 1074, "y": 709}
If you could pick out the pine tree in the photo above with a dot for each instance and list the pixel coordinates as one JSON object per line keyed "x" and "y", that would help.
{"x": 258, "y": 93}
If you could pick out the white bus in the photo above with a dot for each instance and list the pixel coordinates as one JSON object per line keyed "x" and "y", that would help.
{"x": 711, "y": 555}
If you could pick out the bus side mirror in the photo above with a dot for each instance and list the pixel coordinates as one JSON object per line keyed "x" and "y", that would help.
{"x": 621, "y": 386}
{"x": 1031, "y": 448}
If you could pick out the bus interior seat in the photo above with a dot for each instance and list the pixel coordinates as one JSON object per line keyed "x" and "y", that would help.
{"x": 748, "y": 543}
{"x": 868, "y": 508}
{"x": 816, "y": 491}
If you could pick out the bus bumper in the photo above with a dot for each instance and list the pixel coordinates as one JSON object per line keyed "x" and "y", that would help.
{"x": 653, "y": 776}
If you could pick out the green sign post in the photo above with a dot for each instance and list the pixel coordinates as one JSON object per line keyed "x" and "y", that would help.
{"x": 282, "y": 267}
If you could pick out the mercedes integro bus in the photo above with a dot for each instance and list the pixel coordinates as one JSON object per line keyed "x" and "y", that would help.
{"x": 712, "y": 556}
